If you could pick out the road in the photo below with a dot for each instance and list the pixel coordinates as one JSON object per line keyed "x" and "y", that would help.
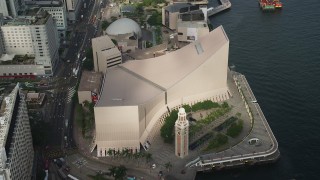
{"x": 59, "y": 107}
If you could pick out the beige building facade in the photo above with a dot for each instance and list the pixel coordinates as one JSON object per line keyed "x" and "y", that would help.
{"x": 137, "y": 94}
{"x": 105, "y": 54}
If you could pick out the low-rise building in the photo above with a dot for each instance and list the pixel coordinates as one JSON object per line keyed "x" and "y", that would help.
{"x": 105, "y": 54}
{"x": 89, "y": 87}
{"x": 126, "y": 32}
{"x": 171, "y": 13}
{"x": 35, "y": 100}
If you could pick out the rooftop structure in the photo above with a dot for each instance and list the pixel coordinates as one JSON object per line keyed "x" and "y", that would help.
{"x": 16, "y": 150}
{"x": 176, "y": 7}
{"x": 189, "y": 31}
{"x": 146, "y": 89}
{"x": 191, "y": 1}
{"x": 89, "y": 86}
{"x": 45, "y": 3}
{"x": 124, "y": 26}
{"x": 35, "y": 100}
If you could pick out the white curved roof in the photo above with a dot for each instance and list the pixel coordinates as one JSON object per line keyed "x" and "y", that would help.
{"x": 136, "y": 82}
{"x": 124, "y": 26}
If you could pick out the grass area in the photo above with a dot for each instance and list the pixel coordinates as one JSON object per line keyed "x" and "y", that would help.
{"x": 167, "y": 130}
{"x": 222, "y": 110}
{"x": 218, "y": 141}
{"x": 235, "y": 129}
{"x": 158, "y": 34}
{"x": 85, "y": 117}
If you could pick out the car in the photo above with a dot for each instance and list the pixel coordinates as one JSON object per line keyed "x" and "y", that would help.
{"x": 46, "y": 164}
{"x": 67, "y": 168}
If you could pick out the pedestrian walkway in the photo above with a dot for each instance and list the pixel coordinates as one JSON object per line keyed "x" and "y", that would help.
{"x": 71, "y": 91}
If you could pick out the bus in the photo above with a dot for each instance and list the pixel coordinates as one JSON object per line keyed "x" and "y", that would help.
{"x": 72, "y": 177}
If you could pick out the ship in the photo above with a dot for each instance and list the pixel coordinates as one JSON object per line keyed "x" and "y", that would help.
{"x": 270, "y": 5}
{"x": 277, "y": 4}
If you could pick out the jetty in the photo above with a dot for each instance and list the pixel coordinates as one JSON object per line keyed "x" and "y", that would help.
{"x": 225, "y": 4}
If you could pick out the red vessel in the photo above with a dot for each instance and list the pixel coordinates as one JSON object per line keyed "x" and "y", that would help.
{"x": 270, "y": 5}
{"x": 277, "y": 4}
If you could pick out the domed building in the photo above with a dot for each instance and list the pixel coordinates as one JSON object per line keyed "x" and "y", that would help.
{"x": 124, "y": 26}
{"x": 126, "y": 32}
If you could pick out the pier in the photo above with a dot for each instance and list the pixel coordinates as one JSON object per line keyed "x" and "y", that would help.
{"x": 225, "y": 4}
{"x": 258, "y": 147}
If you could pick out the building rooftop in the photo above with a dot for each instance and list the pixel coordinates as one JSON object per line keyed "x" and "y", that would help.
{"x": 45, "y": 3}
{"x": 135, "y": 82}
{"x": 102, "y": 43}
{"x": 192, "y": 24}
{"x": 124, "y": 26}
{"x": 33, "y": 16}
{"x": 90, "y": 81}
{"x": 176, "y": 7}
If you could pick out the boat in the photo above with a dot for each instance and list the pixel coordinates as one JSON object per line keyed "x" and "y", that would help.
{"x": 267, "y": 5}
{"x": 277, "y": 4}
{"x": 270, "y": 5}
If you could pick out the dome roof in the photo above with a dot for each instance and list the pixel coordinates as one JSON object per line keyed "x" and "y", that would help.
{"x": 124, "y": 26}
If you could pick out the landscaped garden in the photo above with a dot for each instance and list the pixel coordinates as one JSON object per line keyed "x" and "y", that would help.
{"x": 219, "y": 140}
{"x": 218, "y": 110}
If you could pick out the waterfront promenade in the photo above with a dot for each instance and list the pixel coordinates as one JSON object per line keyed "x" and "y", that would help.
{"x": 265, "y": 146}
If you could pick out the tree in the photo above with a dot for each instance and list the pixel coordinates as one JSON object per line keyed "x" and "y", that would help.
{"x": 139, "y": 9}
{"x": 97, "y": 177}
{"x": 88, "y": 63}
{"x": 104, "y": 25}
{"x": 113, "y": 170}
{"x": 168, "y": 165}
{"x": 115, "y": 42}
{"x": 118, "y": 172}
{"x": 121, "y": 172}
{"x": 155, "y": 19}
{"x": 110, "y": 152}
{"x": 148, "y": 157}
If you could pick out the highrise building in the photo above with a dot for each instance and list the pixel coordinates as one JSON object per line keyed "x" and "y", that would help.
{"x": 181, "y": 134}
{"x": 30, "y": 45}
{"x": 11, "y": 7}
{"x": 16, "y": 150}
{"x": 57, "y": 9}
{"x": 73, "y": 7}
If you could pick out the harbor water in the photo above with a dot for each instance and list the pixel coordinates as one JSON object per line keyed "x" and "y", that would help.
{"x": 279, "y": 53}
